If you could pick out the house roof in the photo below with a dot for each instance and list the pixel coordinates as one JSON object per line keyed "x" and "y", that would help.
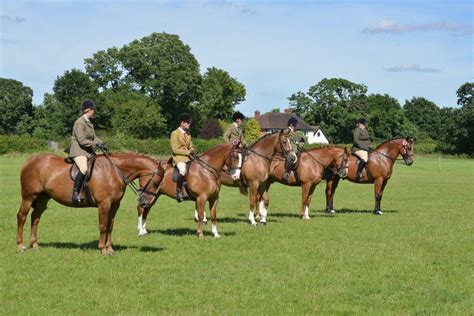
{"x": 274, "y": 120}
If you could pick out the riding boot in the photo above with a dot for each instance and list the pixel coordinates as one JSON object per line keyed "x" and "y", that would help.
{"x": 76, "y": 190}
{"x": 286, "y": 174}
{"x": 179, "y": 188}
{"x": 360, "y": 167}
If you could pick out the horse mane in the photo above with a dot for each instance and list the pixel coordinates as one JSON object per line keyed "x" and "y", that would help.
{"x": 264, "y": 136}
{"x": 390, "y": 140}
{"x": 323, "y": 146}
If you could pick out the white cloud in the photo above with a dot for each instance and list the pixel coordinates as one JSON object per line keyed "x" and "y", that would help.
{"x": 12, "y": 19}
{"x": 413, "y": 68}
{"x": 394, "y": 27}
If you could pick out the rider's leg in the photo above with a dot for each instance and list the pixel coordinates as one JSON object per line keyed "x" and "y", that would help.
{"x": 81, "y": 162}
{"x": 179, "y": 182}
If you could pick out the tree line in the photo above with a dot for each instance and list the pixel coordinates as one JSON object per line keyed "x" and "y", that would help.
{"x": 141, "y": 88}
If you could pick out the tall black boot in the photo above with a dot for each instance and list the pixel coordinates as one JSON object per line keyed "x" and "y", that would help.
{"x": 76, "y": 190}
{"x": 179, "y": 188}
{"x": 360, "y": 167}
{"x": 288, "y": 167}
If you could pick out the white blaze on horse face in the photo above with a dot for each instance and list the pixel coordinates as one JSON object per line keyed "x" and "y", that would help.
{"x": 294, "y": 156}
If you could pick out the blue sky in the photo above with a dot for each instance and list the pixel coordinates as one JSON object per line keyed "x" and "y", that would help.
{"x": 275, "y": 48}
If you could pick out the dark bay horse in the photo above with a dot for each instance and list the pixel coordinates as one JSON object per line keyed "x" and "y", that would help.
{"x": 256, "y": 169}
{"x": 309, "y": 172}
{"x": 47, "y": 176}
{"x": 202, "y": 183}
{"x": 380, "y": 165}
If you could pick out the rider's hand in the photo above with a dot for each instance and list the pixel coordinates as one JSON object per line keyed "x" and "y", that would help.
{"x": 103, "y": 147}
{"x": 369, "y": 149}
{"x": 192, "y": 153}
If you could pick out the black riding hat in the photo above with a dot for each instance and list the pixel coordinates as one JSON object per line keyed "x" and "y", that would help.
{"x": 184, "y": 117}
{"x": 292, "y": 121}
{"x": 237, "y": 115}
{"x": 88, "y": 104}
{"x": 361, "y": 121}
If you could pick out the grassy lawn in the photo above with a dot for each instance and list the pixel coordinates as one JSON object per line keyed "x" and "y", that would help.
{"x": 417, "y": 258}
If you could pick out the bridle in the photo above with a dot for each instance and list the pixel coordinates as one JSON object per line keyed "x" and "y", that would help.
{"x": 284, "y": 151}
{"x": 341, "y": 171}
{"x": 228, "y": 162}
{"x": 213, "y": 170}
{"x": 405, "y": 156}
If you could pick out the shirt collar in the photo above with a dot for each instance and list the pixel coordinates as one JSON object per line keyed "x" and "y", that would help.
{"x": 182, "y": 130}
{"x": 86, "y": 119}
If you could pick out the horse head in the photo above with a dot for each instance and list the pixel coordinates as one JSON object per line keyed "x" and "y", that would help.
{"x": 283, "y": 146}
{"x": 149, "y": 191}
{"x": 340, "y": 163}
{"x": 406, "y": 150}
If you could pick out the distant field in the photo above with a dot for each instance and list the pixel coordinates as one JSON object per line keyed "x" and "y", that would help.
{"x": 417, "y": 258}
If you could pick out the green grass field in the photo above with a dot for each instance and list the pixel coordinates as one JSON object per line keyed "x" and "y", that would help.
{"x": 417, "y": 258}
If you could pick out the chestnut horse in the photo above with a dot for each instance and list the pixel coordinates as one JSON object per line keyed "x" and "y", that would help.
{"x": 47, "y": 176}
{"x": 256, "y": 169}
{"x": 380, "y": 166}
{"x": 310, "y": 170}
{"x": 202, "y": 183}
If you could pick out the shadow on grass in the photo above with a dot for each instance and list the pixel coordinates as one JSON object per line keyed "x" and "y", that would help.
{"x": 348, "y": 211}
{"x": 93, "y": 245}
{"x": 181, "y": 232}
{"x": 290, "y": 215}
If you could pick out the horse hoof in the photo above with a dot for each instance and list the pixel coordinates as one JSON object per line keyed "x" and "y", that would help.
{"x": 378, "y": 212}
{"x": 142, "y": 234}
{"x": 257, "y": 217}
{"x": 330, "y": 212}
{"x": 21, "y": 248}
{"x": 217, "y": 236}
{"x": 263, "y": 223}
{"x": 204, "y": 222}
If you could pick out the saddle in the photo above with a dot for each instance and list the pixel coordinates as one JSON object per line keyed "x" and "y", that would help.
{"x": 176, "y": 171}
{"x": 74, "y": 169}
{"x": 366, "y": 165}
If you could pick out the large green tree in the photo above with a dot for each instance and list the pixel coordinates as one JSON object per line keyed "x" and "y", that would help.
{"x": 163, "y": 67}
{"x": 105, "y": 69}
{"x": 386, "y": 118}
{"x": 220, "y": 94}
{"x": 335, "y": 103}
{"x": 465, "y": 139}
{"x": 425, "y": 115}
{"x": 16, "y": 107}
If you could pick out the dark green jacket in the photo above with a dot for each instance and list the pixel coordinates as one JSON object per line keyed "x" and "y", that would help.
{"x": 361, "y": 139}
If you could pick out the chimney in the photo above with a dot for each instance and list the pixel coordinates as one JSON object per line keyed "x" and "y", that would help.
{"x": 288, "y": 111}
{"x": 257, "y": 115}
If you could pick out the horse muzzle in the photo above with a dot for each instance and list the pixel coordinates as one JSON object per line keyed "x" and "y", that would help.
{"x": 235, "y": 174}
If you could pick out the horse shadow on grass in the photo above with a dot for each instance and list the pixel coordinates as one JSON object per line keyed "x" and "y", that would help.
{"x": 184, "y": 232}
{"x": 323, "y": 213}
{"x": 93, "y": 245}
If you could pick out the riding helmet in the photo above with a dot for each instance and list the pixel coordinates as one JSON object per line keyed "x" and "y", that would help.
{"x": 237, "y": 115}
{"x": 361, "y": 121}
{"x": 88, "y": 104}
{"x": 292, "y": 121}
{"x": 184, "y": 117}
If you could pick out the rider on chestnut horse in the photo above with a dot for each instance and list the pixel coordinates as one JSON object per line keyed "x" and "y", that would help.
{"x": 234, "y": 132}
{"x": 362, "y": 145}
{"x": 296, "y": 143}
{"x": 182, "y": 148}
{"x": 83, "y": 143}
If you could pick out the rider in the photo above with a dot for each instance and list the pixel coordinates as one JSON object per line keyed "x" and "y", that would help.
{"x": 83, "y": 143}
{"x": 234, "y": 132}
{"x": 296, "y": 143}
{"x": 182, "y": 148}
{"x": 362, "y": 145}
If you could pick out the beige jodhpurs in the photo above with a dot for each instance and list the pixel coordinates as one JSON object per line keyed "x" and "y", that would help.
{"x": 182, "y": 168}
{"x": 81, "y": 162}
{"x": 364, "y": 155}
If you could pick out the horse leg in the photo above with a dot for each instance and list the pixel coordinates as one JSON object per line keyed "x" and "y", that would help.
{"x": 307, "y": 190}
{"x": 331, "y": 186}
{"x": 108, "y": 245}
{"x": 21, "y": 219}
{"x": 200, "y": 203}
{"x": 142, "y": 220}
{"x": 104, "y": 211}
{"x": 379, "y": 185}
{"x": 204, "y": 220}
{"x": 40, "y": 206}
{"x": 213, "y": 211}
{"x": 252, "y": 203}
{"x": 264, "y": 201}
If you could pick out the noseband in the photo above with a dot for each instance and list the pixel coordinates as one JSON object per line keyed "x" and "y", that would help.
{"x": 142, "y": 192}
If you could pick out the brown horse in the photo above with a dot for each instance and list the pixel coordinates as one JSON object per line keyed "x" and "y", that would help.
{"x": 202, "y": 183}
{"x": 380, "y": 166}
{"x": 310, "y": 170}
{"x": 256, "y": 168}
{"x": 47, "y": 176}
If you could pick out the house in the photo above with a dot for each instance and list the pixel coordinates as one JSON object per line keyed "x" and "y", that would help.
{"x": 273, "y": 121}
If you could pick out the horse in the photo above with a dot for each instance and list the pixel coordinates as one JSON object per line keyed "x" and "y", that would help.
{"x": 47, "y": 176}
{"x": 310, "y": 170}
{"x": 379, "y": 167}
{"x": 256, "y": 169}
{"x": 202, "y": 183}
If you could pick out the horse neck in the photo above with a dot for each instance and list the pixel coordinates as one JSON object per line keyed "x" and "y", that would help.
{"x": 326, "y": 155}
{"x": 132, "y": 166}
{"x": 390, "y": 149}
{"x": 216, "y": 157}
{"x": 266, "y": 145}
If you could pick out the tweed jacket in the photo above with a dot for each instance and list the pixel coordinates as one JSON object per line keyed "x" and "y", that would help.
{"x": 361, "y": 139}
{"x": 296, "y": 141}
{"x": 83, "y": 139}
{"x": 234, "y": 132}
{"x": 181, "y": 146}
